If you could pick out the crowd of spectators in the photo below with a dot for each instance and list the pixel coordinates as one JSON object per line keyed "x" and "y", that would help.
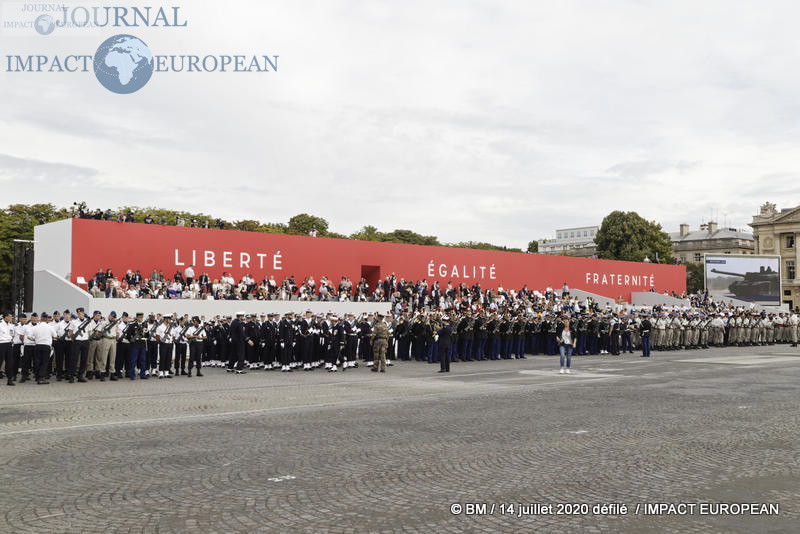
{"x": 403, "y": 294}
{"x": 80, "y": 211}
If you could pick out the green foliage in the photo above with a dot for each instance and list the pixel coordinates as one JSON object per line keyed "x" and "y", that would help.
{"x": 627, "y": 236}
{"x": 410, "y": 237}
{"x": 694, "y": 277}
{"x": 303, "y": 224}
{"x": 533, "y": 246}
{"x": 480, "y": 245}
{"x": 367, "y": 233}
{"x": 17, "y": 222}
{"x": 247, "y": 225}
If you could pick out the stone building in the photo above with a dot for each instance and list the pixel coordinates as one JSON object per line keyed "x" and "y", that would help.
{"x": 689, "y": 247}
{"x": 777, "y": 232}
{"x": 577, "y": 242}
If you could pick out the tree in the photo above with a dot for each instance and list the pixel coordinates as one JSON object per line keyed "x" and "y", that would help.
{"x": 695, "y": 278}
{"x": 304, "y": 224}
{"x": 17, "y": 222}
{"x": 247, "y": 225}
{"x": 627, "y": 236}
{"x": 410, "y": 237}
{"x": 533, "y": 247}
{"x": 367, "y": 233}
{"x": 480, "y": 245}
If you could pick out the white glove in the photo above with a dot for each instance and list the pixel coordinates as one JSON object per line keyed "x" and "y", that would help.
{"x": 282, "y": 344}
{"x": 436, "y": 337}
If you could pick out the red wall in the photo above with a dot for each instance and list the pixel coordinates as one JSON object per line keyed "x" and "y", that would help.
{"x": 122, "y": 246}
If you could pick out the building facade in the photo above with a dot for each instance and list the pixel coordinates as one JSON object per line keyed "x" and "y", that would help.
{"x": 689, "y": 247}
{"x": 777, "y": 232}
{"x": 577, "y": 242}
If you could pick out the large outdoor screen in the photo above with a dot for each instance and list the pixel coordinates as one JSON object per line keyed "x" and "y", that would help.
{"x": 744, "y": 277}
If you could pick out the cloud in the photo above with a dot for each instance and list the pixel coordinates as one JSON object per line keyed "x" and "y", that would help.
{"x": 476, "y": 121}
{"x": 29, "y": 171}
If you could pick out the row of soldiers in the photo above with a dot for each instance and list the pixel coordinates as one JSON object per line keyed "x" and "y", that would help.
{"x": 87, "y": 347}
{"x": 82, "y": 347}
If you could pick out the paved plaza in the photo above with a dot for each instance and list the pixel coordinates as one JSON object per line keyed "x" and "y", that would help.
{"x": 402, "y": 451}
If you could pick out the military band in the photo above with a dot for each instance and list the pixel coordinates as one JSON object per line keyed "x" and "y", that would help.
{"x": 80, "y": 347}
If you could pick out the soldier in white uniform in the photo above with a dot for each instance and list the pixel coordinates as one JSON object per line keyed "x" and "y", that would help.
{"x": 28, "y": 347}
{"x": 6, "y": 347}
{"x": 165, "y": 345}
{"x": 79, "y": 351}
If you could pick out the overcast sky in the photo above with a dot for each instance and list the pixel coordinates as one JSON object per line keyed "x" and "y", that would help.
{"x": 471, "y": 120}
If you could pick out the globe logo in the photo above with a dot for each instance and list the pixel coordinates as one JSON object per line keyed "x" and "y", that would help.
{"x": 123, "y": 64}
{"x": 44, "y": 24}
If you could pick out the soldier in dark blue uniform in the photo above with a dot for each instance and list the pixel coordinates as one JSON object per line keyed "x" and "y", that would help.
{"x": 335, "y": 344}
{"x": 237, "y": 335}
{"x": 492, "y": 329}
{"x": 306, "y": 340}
{"x": 443, "y": 339}
{"x": 592, "y": 334}
{"x": 286, "y": 335}
{"x": 479, "y": 333}
{"x": 403, "y": 335}
{"x": 645, "y": 327}
{"x": 252, "y": 342}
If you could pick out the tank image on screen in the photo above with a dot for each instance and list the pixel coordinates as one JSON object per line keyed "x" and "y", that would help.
{"x": 749, "y": 278}
{"x": 753, "y": 284}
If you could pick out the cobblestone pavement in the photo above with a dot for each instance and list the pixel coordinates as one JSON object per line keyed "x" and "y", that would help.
{"x": 365, "y": 452}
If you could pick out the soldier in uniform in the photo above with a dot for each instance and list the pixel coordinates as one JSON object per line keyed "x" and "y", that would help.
{"x": 152, "y": 344}
{"x": 286, "y": 336}
{"x": 592, "y": 334}
{"x": 269, "y": 335}
{"x": 60, "y": 344}
{"x": 237, "y": 337}
{"x": 443, "y": 338}
{"x": 661, "y": 332}
{"x": 431, "y": 326}
{"x": 603, "y": 328}
{"x": 123, "y": 346}
{"x": 493, "y": 337}
{"x": 252, "y": 341}
{"x": 306, "y": 341}
{"x": 137, "y": 337}
{"x": 380, "y": 339}
{"x": 6, "y": 347}
{"x": 164, "y": 337}
{"x": 335, "y": 343}
{"x": 181, "y": 345}
{"x": 79, "y": 353}
{"x": 479, "y": 333}
{"x": 644, "y": 331}
{"x": 465, "y": 333}
{"x": 403, "y": 336}
{"x": 625, "y": 332}
{"x": 519, "y": 336}
{"x": 196, "y": 336}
